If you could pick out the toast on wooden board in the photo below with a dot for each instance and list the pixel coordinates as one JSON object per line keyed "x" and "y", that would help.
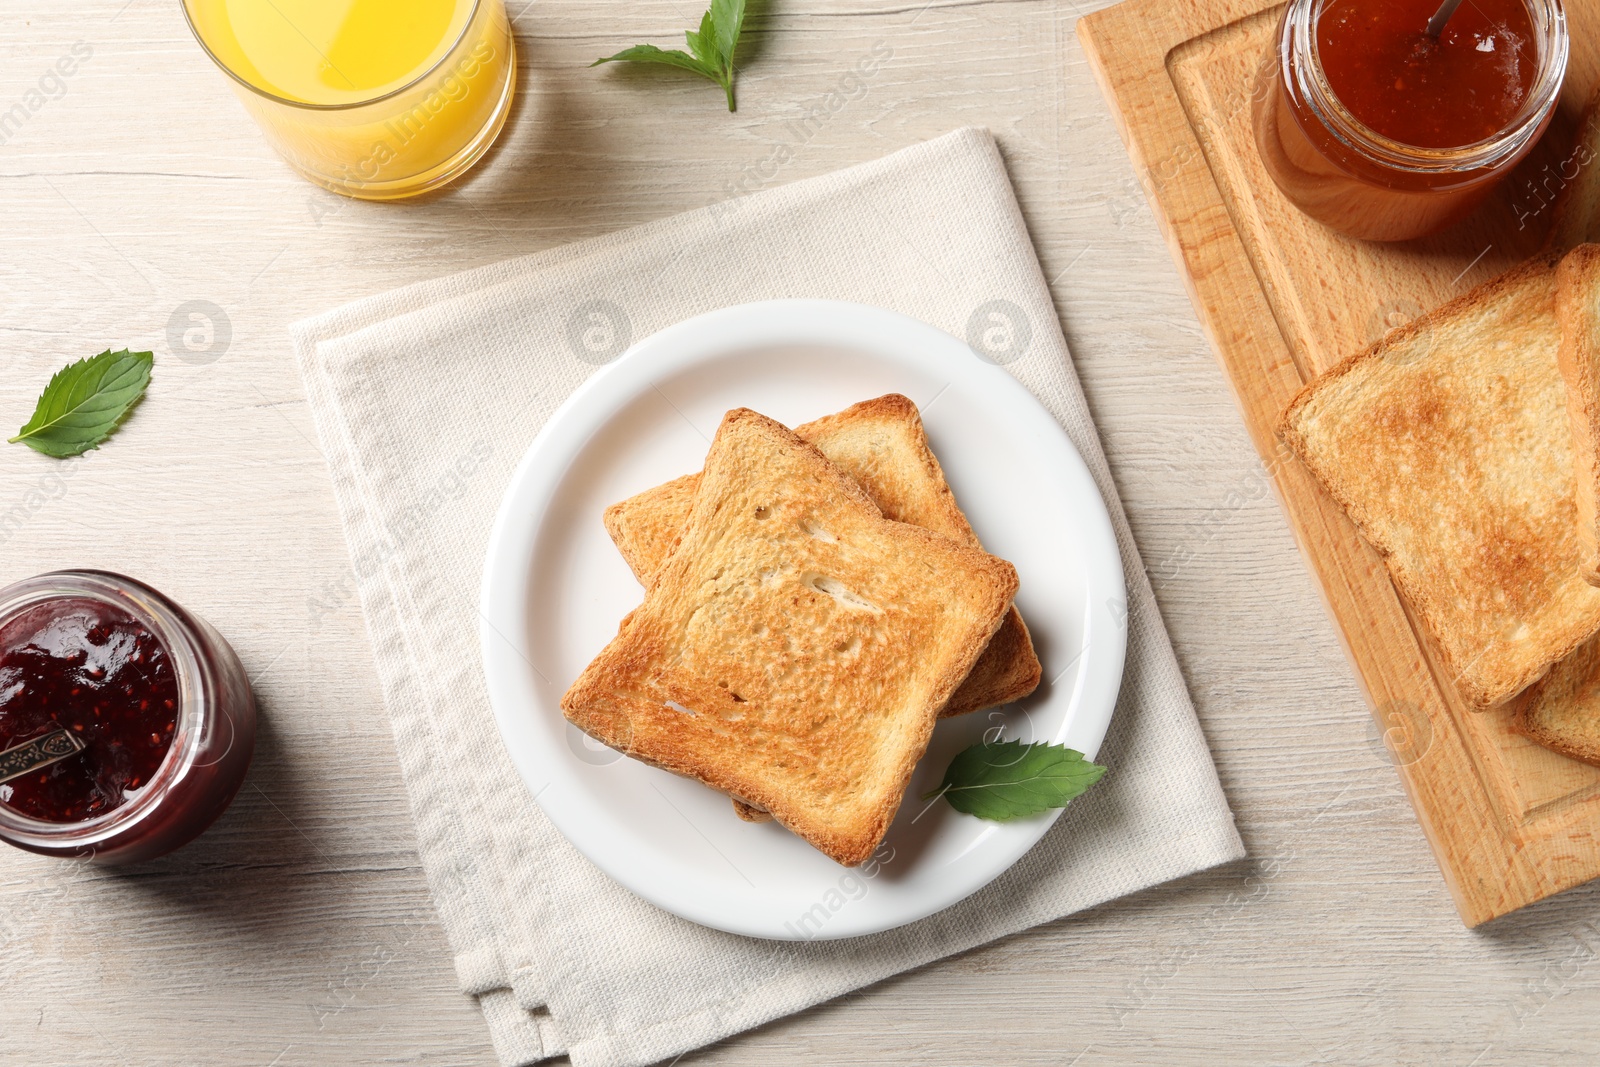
{"x": 1448, "y": 445}
{"x": 880, "y": 443}
{"x": 772, "y": 657}
{"x": 1578, "y": 311}
{"x": 1577, "y": 217}
{"x": 1562, "y": 711}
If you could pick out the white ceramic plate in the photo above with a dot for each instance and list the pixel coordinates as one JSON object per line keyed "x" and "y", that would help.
{"x": 554, "y": 589}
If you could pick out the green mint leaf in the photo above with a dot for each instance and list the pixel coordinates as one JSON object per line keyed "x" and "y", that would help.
{"x": 728, "y": 18}
{"x": 1007, "y": 780}
{"x": 85, "y": 402}
{"x": 712, "y": 46}
{"x": 704, "y": 44}
{"x": 649, "y": 53}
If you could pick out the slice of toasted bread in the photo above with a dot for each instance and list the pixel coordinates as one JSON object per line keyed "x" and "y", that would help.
{"x": 1562, "y": 712}
{"x": 645, "y": 527}
{"x": 1577, "y": 215}
{"x": 1578, "y": 311}
{"x": 796, "y": 648}
{"x": 880, "y": 443}
{"x": 1447, "y": 443}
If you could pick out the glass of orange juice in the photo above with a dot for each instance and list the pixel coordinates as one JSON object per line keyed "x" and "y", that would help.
{"x": 377, "y": 99}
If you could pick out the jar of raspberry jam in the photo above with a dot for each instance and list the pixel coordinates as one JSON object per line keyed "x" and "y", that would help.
{"x": 158, "y": 707}
{"x": 1378, "y": 130}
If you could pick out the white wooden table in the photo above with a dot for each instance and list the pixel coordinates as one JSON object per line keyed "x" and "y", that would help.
{"x": 299, "y": 930}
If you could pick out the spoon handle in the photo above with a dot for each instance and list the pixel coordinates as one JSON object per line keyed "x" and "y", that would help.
{"x": 40, "y": 752}
{"x": 1442, "y": 16}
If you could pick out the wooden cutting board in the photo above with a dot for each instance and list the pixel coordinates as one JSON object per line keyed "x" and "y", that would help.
{"x": 1284, "y": 299}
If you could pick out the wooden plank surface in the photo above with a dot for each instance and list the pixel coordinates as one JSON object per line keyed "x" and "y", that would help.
{"x": 1284, "y": 299}
{"x": 299, "y": 931}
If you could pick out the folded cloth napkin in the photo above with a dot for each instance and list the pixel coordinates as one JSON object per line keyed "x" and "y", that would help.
{"x": 426, "y": 398}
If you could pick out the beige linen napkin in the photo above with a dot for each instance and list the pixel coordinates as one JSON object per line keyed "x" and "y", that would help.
{"x": 426, "y": 398}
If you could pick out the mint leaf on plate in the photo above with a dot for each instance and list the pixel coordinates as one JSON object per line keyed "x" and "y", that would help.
{"x": 710, "y": 52}
{"x": 1005, "y": 780}
{"x": 85, "y": 402}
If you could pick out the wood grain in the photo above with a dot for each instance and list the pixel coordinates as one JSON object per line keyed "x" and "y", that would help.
{"x": 298, "y": 931}
{"x": 1283, "y": 299}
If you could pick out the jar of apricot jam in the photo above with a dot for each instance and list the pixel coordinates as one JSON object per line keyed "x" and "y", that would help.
{"x": 159, "y": 707}
{"x": 1380, "y": 131}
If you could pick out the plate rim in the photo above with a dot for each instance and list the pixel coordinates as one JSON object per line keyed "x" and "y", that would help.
{"x": 722, "y": 332}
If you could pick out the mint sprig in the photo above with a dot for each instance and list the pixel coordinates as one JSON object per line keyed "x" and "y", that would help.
{"x": 1005, "y": 780}
{"x": 710, "y": 52}
{"x": 85, "y": 402}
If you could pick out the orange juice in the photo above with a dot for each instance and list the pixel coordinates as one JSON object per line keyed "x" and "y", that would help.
{"x": 373, "y": 98}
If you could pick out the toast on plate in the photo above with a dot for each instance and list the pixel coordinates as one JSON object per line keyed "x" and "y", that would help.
{"x": 772, "y": 656}
{"x": 1448, "y": 445}
{"x": 880, "y": 443}
{"x": 1578, "y": 311}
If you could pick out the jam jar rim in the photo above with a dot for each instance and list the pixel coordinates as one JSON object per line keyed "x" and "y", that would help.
{"x": 1300, "y": 69}
{"x": 176, "y": 632}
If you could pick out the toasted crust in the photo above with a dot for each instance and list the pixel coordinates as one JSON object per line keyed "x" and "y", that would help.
{"x": 1447, "y": 443}
{"x": 645, "y": 527}
{"x": 880, "y": 443}
{"x": 1562, "y": 712}
{"x": 1577, "y": 289}
{"x": 772, "y": 657}
{"x": 749, "y": 812}
{"x": 1577, "y": 217}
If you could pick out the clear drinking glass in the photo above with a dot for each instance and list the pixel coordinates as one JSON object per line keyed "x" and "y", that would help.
{"x": 360, "y": 118}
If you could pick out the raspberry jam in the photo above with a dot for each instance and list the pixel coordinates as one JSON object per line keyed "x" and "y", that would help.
{"x": 92, "y": 668}
{"x": 157, "y": 698}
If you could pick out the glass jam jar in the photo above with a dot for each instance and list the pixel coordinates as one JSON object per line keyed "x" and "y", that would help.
{"x": 1353, "y": 178}
{"x": 159, "y": 704}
